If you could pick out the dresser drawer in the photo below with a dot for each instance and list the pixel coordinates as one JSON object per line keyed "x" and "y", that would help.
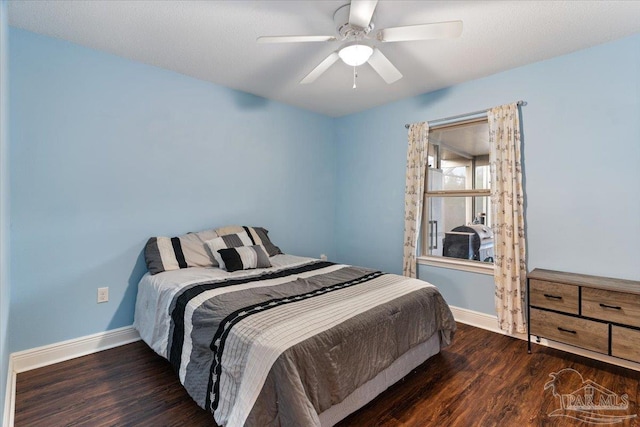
{"x": 571, "y": 330}
{"x": 612, "y": 306}
{"x": 554, "y": 296}
{"x": 625, "y": 343}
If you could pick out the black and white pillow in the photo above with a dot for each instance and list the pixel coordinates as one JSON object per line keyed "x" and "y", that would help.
{"x": 172, "y": 253}
{"x": 262, "y": 235}
{"x": 258, "y": 236}
{"x": 244, "y": 258}
{"x": 228, "y": 241}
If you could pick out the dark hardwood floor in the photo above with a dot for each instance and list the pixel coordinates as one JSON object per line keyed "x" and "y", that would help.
{"x": 482, "y": 379}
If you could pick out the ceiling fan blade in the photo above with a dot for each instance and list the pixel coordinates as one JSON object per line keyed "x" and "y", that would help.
{"x": 384, "y": 67}
{"x": 361, "y": 11}
{"x": 321, "y": 68}
{"x": 437, "y": 30}
{"x": 294, "y": 39}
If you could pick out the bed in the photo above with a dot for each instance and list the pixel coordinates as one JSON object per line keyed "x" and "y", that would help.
{"x": 302, "y": 342}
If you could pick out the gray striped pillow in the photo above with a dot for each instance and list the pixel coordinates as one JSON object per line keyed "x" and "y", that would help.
{"x": 171, "y": 253}
{"x": 244, "y": 258}
{"x": 227, "y": 241}
{"x": 263, "y": 239}
{"x": 258, "y": 236}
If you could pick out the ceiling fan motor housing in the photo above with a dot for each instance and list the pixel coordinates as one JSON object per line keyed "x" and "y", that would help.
{"x": 345, "y": 29}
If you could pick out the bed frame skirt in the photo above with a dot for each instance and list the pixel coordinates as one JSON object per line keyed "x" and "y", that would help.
{"x": 371, "y": 389}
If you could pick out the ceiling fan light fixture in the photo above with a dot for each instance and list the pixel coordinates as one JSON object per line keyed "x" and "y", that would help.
{"x": 355, "y": 54}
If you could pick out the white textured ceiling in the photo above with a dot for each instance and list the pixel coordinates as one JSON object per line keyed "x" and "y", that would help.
{"x": 215, "y": 41}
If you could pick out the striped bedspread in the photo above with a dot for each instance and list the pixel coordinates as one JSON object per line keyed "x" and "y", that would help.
{"x": 278, "y": 348}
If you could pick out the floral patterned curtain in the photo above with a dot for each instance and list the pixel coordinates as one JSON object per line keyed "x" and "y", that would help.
{"x": 507, "y": 200}
{"x": 414, "y": 193}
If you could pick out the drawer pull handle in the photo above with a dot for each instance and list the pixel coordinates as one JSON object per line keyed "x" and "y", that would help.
{"x": 566, "y": 330}
{"x": 614, "y": 307}
{"x": 552, "y": 296}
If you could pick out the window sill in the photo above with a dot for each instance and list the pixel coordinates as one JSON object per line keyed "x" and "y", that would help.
{"x": 457, "y": 264}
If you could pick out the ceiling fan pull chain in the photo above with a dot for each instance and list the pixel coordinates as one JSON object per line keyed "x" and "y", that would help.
{"x": 355, "y": 75}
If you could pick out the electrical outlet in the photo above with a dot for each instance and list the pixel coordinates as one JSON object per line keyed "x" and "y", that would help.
{"x": 103, "y": 295}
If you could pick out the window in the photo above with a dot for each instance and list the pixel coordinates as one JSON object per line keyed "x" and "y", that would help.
{"x": 457, "y": 207}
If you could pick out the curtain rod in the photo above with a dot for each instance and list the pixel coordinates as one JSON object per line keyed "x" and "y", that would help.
{"x": 459, "y": 116}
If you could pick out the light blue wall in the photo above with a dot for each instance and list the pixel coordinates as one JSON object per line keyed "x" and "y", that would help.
{"x": 4, "y": 209}
{"x": 581, "y": 131}
{"x": 106, "y": 152}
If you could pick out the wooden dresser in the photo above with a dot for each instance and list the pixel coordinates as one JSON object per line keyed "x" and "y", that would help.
{"x": 596, "y": 313}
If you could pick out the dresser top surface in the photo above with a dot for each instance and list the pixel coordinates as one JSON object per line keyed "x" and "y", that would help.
{"x": 598, "y": 282}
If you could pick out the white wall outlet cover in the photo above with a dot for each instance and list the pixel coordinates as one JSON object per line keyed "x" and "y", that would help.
{"x": 103, "y": 294}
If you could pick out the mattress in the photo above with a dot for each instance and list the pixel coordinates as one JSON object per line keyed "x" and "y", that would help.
{"x": 304, "y": 342}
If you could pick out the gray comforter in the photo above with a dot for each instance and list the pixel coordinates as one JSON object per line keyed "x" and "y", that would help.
{"x": 277, "y": 349}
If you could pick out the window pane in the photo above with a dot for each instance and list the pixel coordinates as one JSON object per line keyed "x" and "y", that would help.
{"x": 483, "y": 175}
{"x": 460, "y": 155}
{"x": 455, "y": 228}
{"x": 455, "y": 177}
{"x": 482, "y": 209}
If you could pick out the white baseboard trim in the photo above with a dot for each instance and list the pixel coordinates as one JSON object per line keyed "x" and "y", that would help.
{"x": 490, "y": 323}
{"x": 477, "y": 319}
{"x": 38, "y": 357}
{"x": 66, "y": 350}
{"x": 9, "y": 397}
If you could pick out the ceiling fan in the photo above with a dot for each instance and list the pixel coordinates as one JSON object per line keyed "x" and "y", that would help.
{"x": 354, "y": 25}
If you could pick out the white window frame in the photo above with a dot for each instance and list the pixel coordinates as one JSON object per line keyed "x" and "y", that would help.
{"x": 441, "y": 261}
